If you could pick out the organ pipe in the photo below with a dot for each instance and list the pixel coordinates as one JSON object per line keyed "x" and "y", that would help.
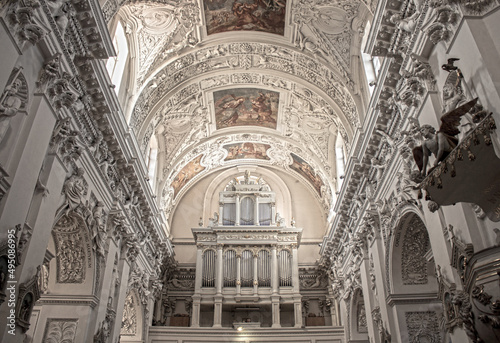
{"x": 264, "y": 269}
{"x": 285, "y": 268}
{"x": 209, "y": 258}
{"x": 230, "y": 268}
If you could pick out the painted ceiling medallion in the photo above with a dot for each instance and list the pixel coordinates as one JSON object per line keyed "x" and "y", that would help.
{"x": 245, "y": 15}
{"x": 245, "y": 107}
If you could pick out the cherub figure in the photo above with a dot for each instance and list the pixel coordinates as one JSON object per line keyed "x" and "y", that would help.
{"x": 442, "y": 142}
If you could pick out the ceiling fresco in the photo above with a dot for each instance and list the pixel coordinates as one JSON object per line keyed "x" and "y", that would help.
{"x": 246, "y": 106}
{"x": 245, "y": 15}
{"x": 215, "y": 96}
{"x": 187, "y": 173}
{"x": 247, "y": 150}
{"x": 304, "y": 169}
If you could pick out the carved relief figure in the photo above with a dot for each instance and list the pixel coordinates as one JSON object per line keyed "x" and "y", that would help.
{"x": 74, "y": 190}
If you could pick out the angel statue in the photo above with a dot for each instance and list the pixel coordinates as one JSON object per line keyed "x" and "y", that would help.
{"x": 442, "y": 142}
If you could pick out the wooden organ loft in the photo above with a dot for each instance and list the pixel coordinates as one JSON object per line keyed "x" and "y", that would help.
{"x": 247, "y": 272}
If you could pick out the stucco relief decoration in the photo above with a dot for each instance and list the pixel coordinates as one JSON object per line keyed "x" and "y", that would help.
{"x": 214, "y": 156}
{"x": 226, "y": 56}
{"x": 280, "y": 155}
{"x": 245, "y": 15}
{"x": 361, "y": 315}
{"x": 163, "y": 31}
{"x": 186, "y": 174}
{"x": 423, "y": 327}
{"x": 324, "y": 29}
{"x": 69, "y": 237}
{"x": 21, "y": 16}
{"x": 129, "y": 319}
{"x": 305, "y": 169}
{"x": 246, "y": 106}
{"x": 415, "y": 246}
{"x": 60, "y": 330}
{"x": 13, "y": 99}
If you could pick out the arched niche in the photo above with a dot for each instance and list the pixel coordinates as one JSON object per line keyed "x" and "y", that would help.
{"x": 358, "y": 317}
{"x": 132, "y": 319}
{"x": 411, "y": 269}
{"x": 72, "y": 271}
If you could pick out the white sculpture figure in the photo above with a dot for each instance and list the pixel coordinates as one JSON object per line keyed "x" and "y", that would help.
{"x": 74, "y": 189}
{"x": 98, "y": 230}
{"x": 279, "y": 220}
{"x": 442, "y": 142}
{"x": 10, "y": 103}
{"x": 214, "y": 221}
{"x": 405, "y": 24}
{"x": 61, "y": 11}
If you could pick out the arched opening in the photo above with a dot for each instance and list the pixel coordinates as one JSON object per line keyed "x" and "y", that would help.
{"x": 151, "y": 160}
{"x": 340, "y": 161}
{"x": 116, "y": 64}
{"x": 132, "y": 319}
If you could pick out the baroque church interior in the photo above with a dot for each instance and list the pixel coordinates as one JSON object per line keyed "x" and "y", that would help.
{"x": 307, "y": 171}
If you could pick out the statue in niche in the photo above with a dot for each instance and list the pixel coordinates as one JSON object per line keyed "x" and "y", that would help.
{"x": 442, "y": 142}
{"x": 10, "y": 103}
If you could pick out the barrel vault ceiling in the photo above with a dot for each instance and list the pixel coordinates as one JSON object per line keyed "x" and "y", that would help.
{"x": 220, "y": 83}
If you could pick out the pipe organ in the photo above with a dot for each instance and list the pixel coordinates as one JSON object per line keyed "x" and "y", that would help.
{"x": 248, "y": 260}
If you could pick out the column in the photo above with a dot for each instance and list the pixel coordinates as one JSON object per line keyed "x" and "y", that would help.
{"x": 274, "y": 269}
{"x": 255, "y": 276}
{"x": 219, "y": 274}
{"x": 256, "y": 212}
{"x": 195, "y": 320}
{"x": 199, "y": 269}
{"x": 297, "y": 307}
{"x": 334, "y": 312}
{"x": 273, "y": 213}
{"x": 295, "y": 269}
{"x": 237, "y": 221}
{"x": 124, "y": 265}
{"x": 238, "y": 273}
{"x": 217, "y": 312}
{"x": 368, "y": 297}
{"x": 221, "y": 212}
{"x": 38, "y": 131}
{"x": 275, "y": 303}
